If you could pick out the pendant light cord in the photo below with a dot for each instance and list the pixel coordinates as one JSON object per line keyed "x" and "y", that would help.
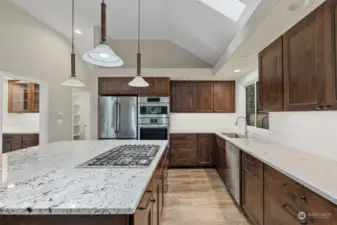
{"x": 138, "y": 26}
{"x": 73, "y": 26}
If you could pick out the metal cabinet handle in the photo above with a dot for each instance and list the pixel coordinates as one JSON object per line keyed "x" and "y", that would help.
{"x": 299, "y": 196}
{"x": 148, "y": 202}
{"x": 250, "y": 162}
{"x": 319, "y": 107}
{"x": 284, "y": 184}
{"x": 119, "y": 116}
{"x": 286, "y": 206}
{"x": 250, "y": 172}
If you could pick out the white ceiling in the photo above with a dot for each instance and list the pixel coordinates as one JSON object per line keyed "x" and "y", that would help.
{"x": 190, "y": 24}
{"x": 242, "y": 53}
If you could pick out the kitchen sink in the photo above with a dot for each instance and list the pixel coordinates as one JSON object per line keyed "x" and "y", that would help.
{"x": 233, "y": 135}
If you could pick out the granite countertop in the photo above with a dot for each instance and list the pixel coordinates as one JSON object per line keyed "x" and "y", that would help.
{"x": 314, "y": 172}
{"x": 44, "y": 180}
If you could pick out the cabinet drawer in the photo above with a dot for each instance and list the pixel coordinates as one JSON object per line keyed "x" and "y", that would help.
{"x": 297, "y": 198}
{"x": 184, "y": 140}
{"x": 253, "y": 166}
{"x": 220, "y": 142}
{"x": 30, "y": 137}
{"x": 12, "y": 137}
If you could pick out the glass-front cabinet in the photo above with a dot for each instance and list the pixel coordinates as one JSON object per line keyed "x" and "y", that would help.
{"x": 23, "y": 97}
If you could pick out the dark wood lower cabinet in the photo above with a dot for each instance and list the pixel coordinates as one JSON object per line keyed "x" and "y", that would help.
{"x": 191, "y": 150}
{"x": 252, "y": 188}
{"x": 13, "y": 142}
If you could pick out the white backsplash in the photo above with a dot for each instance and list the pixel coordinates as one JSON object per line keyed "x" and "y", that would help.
{"x": 201, "y": 122}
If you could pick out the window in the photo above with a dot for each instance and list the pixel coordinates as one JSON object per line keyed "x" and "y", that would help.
{"x": 233, "y": 9}
{"x": 255, "y": 117}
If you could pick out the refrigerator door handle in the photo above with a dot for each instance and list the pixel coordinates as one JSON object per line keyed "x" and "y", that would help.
{"x": 119, "y": 116}
{"x": 116, "y": 117}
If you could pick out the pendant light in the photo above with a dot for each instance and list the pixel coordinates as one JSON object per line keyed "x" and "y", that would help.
{"x": 138, "y": 81}
{"x": 103, "y": 55}
{"x": 73, "y": 81}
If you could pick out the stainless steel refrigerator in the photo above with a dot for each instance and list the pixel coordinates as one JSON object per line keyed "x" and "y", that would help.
{"x": 117, "y": 117}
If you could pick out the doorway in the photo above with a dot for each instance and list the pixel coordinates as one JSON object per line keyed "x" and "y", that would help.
{"x": 23, "y": 112}
{"x": 81, "y": 114}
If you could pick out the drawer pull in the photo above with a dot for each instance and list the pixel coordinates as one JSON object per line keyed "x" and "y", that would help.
{"x": 148, "y": 202}
{"x": 299, "y": 196}
{"x": 283, "y": 185}
{"x": 295, "y": 216}
{"x": 250, "y": 172}
{"x": 160, "y": 177}
{"x": 250, "y": 162}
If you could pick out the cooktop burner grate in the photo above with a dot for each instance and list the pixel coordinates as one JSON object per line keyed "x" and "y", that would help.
{"x": 124, "y": 156}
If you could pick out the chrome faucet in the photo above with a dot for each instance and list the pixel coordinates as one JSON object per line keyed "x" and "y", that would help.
{"x": 237, "y": 122}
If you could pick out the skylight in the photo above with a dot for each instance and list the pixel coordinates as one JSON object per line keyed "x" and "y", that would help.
{"x": 233, "y": 9}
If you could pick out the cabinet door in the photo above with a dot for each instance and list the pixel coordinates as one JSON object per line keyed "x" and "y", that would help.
{"x": 205, "y": 149}
{"x": 330, "y": 40}
{"x": 28, "y": 144}
{"x": 162, "y": 86}
{"x": 224, "y": 96}
{"x": 150, "y": 90}
{"x": 183, "y": 150}
{"x": 34, "y": 97}
{"x": 182, "y": 98}
{"x": 6, "y": 147}
{"x": 203, "y": 96}
{"x": 303, "y": 61}
{"x": 271, "y": 77}
{"x": 155, "y": 205}
{"x": 18, "y": 97}
{"x": 126, "y": 88}
{"x": 109, "y": 86}
{"x": 274, "y": 213}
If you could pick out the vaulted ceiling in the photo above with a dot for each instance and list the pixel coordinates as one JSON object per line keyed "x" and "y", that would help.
{"x": 203, "y": 27}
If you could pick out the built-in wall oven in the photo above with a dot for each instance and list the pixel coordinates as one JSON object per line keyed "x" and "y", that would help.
{"x": 153, "y": 107}
{"x": 153, "y": 118}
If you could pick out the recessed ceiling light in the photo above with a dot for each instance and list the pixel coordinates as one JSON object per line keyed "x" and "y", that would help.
{"x": 245, "y": 55}
{"x": 78, "y": 31}
{"x": 237, "y": 71}
{"x": 299, "y": 5}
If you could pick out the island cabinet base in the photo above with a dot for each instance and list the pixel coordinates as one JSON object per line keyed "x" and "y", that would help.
{"x": 148, "y": 212}
{"x": 65, "y": 220}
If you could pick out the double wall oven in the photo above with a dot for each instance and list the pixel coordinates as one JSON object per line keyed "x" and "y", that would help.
{"x": 153, "y": 118}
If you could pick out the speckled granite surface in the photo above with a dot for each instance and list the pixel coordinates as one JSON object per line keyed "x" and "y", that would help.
{"x": 44, "y": 180}
{"x": 314, "y": 172}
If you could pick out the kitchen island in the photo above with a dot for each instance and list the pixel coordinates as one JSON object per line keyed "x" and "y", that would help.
{"x": 45, "y": 185}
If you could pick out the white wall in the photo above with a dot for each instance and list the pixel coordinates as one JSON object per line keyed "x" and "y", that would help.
{"x": 18, "y": 122}
{"x": 31, "y": 49}
{"x": 312, "y": 132}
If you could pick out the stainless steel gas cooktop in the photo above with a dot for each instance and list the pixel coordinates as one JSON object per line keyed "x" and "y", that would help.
{"x": 124, "y": 156}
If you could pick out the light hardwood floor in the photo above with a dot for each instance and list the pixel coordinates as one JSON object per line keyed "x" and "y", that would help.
{"x": 198, "y": 197}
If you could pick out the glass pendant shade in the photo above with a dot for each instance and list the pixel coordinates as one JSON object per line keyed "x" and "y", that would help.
{"x": 73, "y": 82}
{"x": 103, "y": 56}
{"x": 138, "y": 81}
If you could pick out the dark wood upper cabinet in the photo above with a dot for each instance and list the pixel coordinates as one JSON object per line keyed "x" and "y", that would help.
{"x": 158, "y": 86}
{"x": 115, "y": 86}
{"x": 203, "y": 96}
{"x": 224, "y": 96}
{"x": 330, "y": 40}
{"x": 23, "y": 97}
{"x": 303, "y": 63}
{"x": 205, "y": 149}
{"x": 271, "y": 77}
{"x": 182, "y": 97}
